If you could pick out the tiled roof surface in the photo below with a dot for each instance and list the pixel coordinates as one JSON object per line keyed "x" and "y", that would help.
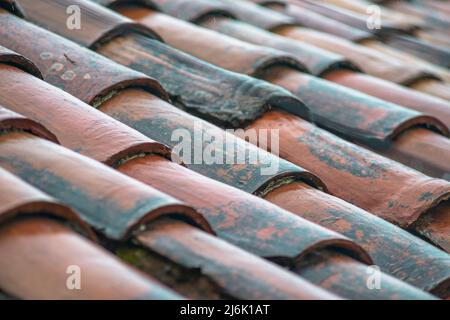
{"x": 88, "y": 159}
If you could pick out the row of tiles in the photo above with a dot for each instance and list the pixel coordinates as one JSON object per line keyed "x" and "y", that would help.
{"x": 370, "y": 121}
{"x": 60, "y": 172}
{"x": 135, "y": 94}
{"x": 403, "y": 209}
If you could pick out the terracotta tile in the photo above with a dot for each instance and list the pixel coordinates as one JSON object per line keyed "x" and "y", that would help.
{"x": 349, "y": 112}
{"x": 241, "y": 274}
{"x": 360, "y": 8}
{"x": 436, "y": 225}
{"x": 310, "y": 19}
{"x": 250, "y": 181}
{"x": 336, "y": 162}
{"x": 421, "y": 148}
{"x": 264, "y": 226}
{"x": 137, "y": 169}
{"x": 418, "y": 48}
{"x": 88, "y": 186}
{"x": 383, "y": 241}
{"x": 269, "y": 20}
{"x": 370, "y": 61}
{"x": 438, "y": 89}
{"x": 220, "y": 101}
{"x": 294, "y": 130}
{"x": 434, "y": 19}
{"x": 123, "y": 113}
{"x": 406, "y": 43}
{"x": 10, "y": 121}
{"x": 11, "y": 150}
{"x": 150, "y": 123}
{"x": 261, "y": 17}
{"x": 222, "y": 196}
{"x": 204, "y": 41}
{"x": 189, "y": 10}
{"x": 201, "y": 77}
{"x": 349, "y": 17}
{"x": 346, "y": 282}
{"x": 76, "y": 76}
{"x": 36, "y": 251}
{"x": 375, "y": 234}
{"x": 286, "y": 77}
{"x": 98, "y": 26}
{"x": 388, "y": 91}
{"x": 160, "y": 240}
{"x": 260, "y": 291}
{"x": 434, "y": 37}
{"x": 204, "y": 200}
{"x": 367, "y": 59}
{"x": 357, "y": 15}
{"x": 106, "y": 222}
{"x": 317, "y": 60}
{"x": 243, "y": 231}
{"x": 19, "y": 199}
{"x": 243, "y": 10}
{"x": 247, "y": 58}
{"x": 369, "y": 134}
{"x": 128, "y": 114}
{"x": 440, "y": 72}
{"x": 10, "y": 57}
{"x": 410, "y": 123}
{"x": 140, "y": 199}
{"x": 110, "y": 142}
{"x": 395, "y": 93}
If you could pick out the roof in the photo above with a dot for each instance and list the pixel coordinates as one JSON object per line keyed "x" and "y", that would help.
{"x": 86, "y": 139}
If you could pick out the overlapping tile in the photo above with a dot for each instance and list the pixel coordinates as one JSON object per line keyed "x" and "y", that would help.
{"x": 166, "y": 26}
{"x": 371, "y": 61}
{"x": 87, "y": 186}
{"x": 186, "y": 35}
{"x": 320, "y": 266}
{"x": 43, "y": 276}
{"x": 241, "y": 232}
{"x": 434, "y": 19}
{"x": 12, "y": 58}
{"x": 201, "y": 76}
{"x": 63, "y": 127}
{"x": 374, "y": 57}
{"x": 310, "y": 19}
{"x": 391, "y": 285}
{"x": 289, "y": 80}
{"x": 353, "y": 18}
{"x": 160, "y": 131}
{"x": 27, "y": 273}
{"x": 21, "y": 154}
{"x": 407, "y": 43}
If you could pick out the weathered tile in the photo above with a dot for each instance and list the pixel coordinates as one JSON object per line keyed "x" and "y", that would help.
{"x": 37, "y": 248}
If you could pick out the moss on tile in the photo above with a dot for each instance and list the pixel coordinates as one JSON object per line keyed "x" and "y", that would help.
{"x": 186, "y": 281}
